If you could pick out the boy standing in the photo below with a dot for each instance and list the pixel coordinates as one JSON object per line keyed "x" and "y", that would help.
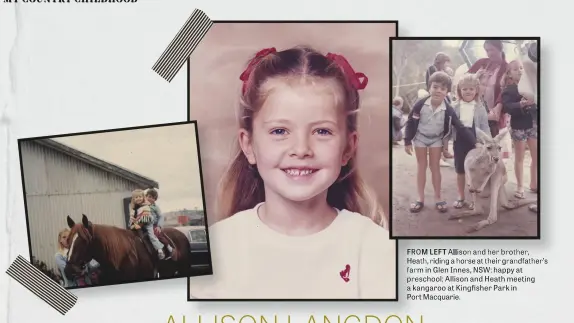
{"x": 429, "y": 122}
{"x": 152, "y": 196}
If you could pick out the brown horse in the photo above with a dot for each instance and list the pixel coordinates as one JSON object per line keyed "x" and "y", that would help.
{"x": 122, "y": 254}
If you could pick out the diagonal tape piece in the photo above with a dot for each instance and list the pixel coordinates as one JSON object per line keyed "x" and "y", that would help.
{"x": 41, "y": 285}
{"x": 182, "y": 45}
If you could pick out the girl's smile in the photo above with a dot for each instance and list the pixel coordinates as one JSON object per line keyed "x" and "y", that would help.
{"x": 468, "y": 93}
{"x": 300, "y": 174}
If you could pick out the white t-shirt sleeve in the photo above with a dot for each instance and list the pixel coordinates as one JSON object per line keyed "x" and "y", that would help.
{"x": 377, "y": 265}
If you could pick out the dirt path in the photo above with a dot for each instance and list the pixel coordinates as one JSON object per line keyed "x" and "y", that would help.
{"x": 431, "y": 223}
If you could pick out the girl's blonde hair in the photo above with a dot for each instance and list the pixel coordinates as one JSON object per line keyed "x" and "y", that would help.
{"x": 242, "y": 188}
{"x": 61, "y": 248}
{"x": 506, "y": 78}
{"x": 135, "y": 194}
{"x": 470, "y": 80}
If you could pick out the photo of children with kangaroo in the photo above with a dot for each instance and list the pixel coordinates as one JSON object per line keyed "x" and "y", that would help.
{"x": 465, "y": 116}
{"x": 115, "y": 206}
{"x": 296, "y": 160}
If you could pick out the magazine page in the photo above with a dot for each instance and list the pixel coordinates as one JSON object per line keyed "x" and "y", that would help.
{"x": 302, "y": 162}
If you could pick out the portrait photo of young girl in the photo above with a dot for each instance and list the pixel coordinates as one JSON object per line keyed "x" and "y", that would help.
{"x": 295, "y": 158}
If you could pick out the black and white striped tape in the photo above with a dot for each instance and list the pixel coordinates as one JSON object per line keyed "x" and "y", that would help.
{"x": 41, "y": 285}
{"x": 182, "y": 45}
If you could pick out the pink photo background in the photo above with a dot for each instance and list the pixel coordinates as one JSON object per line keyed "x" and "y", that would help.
{"x": 222, "y": 56}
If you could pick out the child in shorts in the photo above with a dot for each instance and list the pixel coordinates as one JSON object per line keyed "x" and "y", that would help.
{"x": 429, "y": 121}
{"x": 472, "y": 114}
{"x": 523, "y": 124}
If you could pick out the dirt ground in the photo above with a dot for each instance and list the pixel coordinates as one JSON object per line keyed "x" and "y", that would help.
{"x": 429, "y": 222}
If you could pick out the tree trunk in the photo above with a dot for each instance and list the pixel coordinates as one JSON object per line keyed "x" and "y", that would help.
{"x": 399, "y": 75}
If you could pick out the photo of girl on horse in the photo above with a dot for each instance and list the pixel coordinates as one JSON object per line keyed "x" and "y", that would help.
{"x": 145, "y": 216}
{"x": 143, "y": 252}
{"x": 98, "y": 222}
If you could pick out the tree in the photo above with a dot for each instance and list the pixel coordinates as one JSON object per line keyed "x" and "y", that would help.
{"x": 402, "y": 50}
{"x": 44, "y": 269}
{"x": 410, "y": 59}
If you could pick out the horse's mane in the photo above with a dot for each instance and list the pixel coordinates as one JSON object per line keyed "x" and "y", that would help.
{"x": 116, "y": 243}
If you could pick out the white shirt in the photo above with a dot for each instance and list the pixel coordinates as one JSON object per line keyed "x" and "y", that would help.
{"x": 467, "y": 113}
{"x": 252, "y": 261}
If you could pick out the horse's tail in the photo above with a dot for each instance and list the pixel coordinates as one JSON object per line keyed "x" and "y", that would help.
{"x": 183, "y": 252}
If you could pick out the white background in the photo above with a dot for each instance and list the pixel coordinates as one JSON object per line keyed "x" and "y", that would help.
{"x": 78, "y": 67}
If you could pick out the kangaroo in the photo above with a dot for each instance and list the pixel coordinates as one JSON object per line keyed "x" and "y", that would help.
{"x": 486, "y": 175}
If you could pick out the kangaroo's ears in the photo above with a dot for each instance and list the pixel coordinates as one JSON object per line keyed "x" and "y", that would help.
{"x": 503, "y": 133}
{"x": 482, "y": 137}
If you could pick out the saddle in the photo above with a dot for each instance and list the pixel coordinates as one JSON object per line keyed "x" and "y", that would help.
{"x": 162, "y": 237}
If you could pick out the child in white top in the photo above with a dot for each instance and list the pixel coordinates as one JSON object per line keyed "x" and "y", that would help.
{"x": 299, "y": 222}
{"x": 472, "y": 114}
{"x": 141, "y": 218}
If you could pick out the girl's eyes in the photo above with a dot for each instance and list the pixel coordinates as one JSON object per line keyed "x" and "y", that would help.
{"x": 279, "y": 132}
{"x": 323, "y": 132}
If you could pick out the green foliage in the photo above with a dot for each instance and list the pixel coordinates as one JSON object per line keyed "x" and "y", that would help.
{"x": 411, "y": 59}
{"x": 45, "y": 269}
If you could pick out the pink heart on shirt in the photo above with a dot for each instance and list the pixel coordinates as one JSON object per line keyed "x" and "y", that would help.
{"x": 345, "y": 273}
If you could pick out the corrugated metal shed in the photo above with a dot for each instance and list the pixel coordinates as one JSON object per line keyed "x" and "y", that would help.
{"x": 61, "y": 181}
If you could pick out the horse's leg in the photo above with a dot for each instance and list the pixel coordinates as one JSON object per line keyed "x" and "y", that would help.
{"x": 181, "y": 256}
{"x": 128, "y": 272}
{"x": 184, "y": 264}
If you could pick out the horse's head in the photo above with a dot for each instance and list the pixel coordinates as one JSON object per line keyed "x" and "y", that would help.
{"x": 79, "y": 246}
{"x": 491, "y": 147}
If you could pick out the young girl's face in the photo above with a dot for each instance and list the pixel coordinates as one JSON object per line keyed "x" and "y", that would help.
{"x": 64, "y": 239}
{"x": 515, "y": 71}
{"x": 138, "y": 199}
{"x": 299, "y": 141}
{"x": 468, "y": 92}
